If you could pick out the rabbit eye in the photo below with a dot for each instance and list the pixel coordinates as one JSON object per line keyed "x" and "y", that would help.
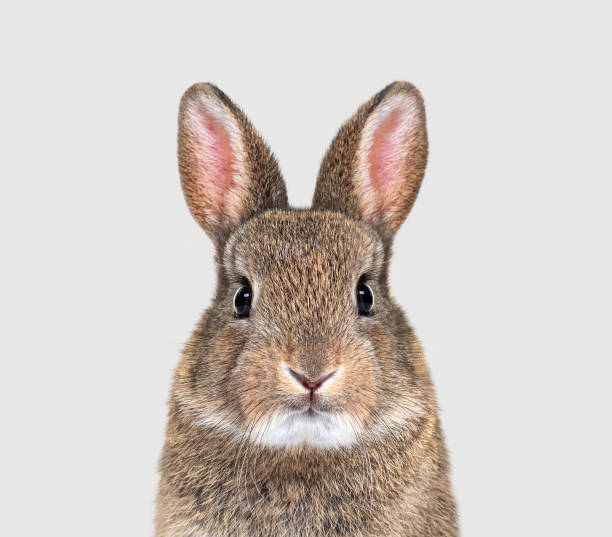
{"x": 365, "y": 299}
{"x": 242, "y": 301}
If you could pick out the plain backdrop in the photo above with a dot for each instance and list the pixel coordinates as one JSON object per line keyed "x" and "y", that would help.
{"x": 503, "y": 267}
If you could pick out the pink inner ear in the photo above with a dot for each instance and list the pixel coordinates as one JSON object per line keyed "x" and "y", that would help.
{"x": 386, "y": 157}
{"x": 216, "y": 158}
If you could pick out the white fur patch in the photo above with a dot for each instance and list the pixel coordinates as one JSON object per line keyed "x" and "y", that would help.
{"x": 323, "y": 430}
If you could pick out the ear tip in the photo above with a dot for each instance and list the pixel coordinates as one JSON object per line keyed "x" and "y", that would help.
{"x": 198, "y": 91}
{"x": 406, "y": 88}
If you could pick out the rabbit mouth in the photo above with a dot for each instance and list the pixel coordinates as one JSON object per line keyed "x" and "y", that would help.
{"x": 310, "y": 411}
{"x": 312, "y": 405}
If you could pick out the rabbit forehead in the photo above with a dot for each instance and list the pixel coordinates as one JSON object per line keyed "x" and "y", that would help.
{"x": 287, "y": 239}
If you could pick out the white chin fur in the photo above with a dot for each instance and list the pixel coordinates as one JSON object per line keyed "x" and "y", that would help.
{"x": 323, "y": 430}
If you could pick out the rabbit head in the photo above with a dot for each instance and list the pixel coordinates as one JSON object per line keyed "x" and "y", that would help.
{"x": 303, "y": 344}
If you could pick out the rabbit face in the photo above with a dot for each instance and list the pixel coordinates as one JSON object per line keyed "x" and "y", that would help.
{"x": 307, "y": 369}
{"x": 302, "y": 345}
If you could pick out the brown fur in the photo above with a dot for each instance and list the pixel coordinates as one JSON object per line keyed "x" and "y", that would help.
{"x": 304, "y": 264}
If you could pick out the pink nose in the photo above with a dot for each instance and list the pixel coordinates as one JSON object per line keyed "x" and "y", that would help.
{"x": 307, "y": 383}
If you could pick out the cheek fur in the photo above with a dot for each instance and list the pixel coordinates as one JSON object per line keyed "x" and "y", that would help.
{"x": 257, "y": 375}
{"x": 355, "y": 390}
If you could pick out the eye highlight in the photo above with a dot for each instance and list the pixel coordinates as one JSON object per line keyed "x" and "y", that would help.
{"x": 365, "y": 299}
{"x": 242, "y": 301}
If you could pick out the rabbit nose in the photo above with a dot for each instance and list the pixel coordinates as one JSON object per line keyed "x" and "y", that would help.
{"x": 309, "y": 384}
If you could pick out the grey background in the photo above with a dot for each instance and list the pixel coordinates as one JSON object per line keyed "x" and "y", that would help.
{"x": 503, "y": 267}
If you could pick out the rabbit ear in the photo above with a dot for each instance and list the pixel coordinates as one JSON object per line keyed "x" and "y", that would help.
{"x": 227, "y": 171}
{"x": 375, "y": 165}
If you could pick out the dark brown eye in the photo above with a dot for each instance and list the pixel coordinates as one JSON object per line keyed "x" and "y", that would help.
{"x": 365, "y": 299}
{"x": 242, "y": 301}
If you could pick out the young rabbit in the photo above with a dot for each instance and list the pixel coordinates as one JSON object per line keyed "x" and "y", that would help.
{"x": 302, "y": 405}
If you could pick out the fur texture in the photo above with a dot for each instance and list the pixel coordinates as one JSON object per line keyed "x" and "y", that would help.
{"x": 250, "y": 451}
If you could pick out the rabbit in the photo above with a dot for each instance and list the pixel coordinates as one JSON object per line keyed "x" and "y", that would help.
{"x": 302, "y": 404}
